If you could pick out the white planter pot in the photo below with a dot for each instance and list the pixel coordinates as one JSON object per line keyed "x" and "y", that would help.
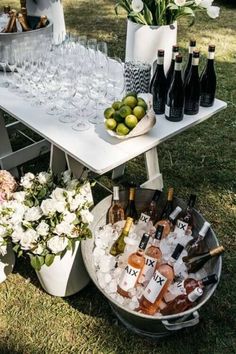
{"x": 53, "y": 9}
{"x": 7, "y": 263}
{"x": 143, "y": 41}
{"x": 65, "y": 276}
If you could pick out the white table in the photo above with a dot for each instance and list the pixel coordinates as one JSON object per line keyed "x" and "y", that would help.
{"x": 94, "y": 148}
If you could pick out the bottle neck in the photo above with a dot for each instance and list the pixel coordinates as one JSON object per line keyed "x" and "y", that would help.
{"x": 156, "y": 242}
{"x": 190, "y": 50}
{"x": 210, "y": 63}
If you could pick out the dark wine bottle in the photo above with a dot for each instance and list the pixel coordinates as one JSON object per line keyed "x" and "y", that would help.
{"x": 151, "y": 210}
{"x": 198, "y": 245}
{"x": 192, "y": 87}
{"x": 192, "y": 46}
{"x": 170, "y": 72}
{"x": 130, "y": 210}
{"x": 208, "y": 80}
{"x": 174, "y": 108}
{"x": 158, "y": 86}
{"x": 194, "y": 263}
{"x": 189, "y": 284}
{"x": 168, "y": 208}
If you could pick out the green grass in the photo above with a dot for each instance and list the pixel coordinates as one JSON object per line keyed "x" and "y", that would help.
{"x": 201, "y": 160}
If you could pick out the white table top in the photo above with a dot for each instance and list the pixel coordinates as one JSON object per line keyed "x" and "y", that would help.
{"x": 94, "y": 148}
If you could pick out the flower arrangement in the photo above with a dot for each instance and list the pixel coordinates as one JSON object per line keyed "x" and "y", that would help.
{"x": 165, "y": 12}
{"x": 45, "y": 218}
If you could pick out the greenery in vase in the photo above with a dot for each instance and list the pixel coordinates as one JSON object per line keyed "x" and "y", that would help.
{"x": 46, "y": 217}
{"x": 165, "y": 12}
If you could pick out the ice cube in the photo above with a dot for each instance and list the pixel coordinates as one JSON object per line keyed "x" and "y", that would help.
{"x": 120, "y": 299}
{"x": 107, "y": 278}
{"x": 116, "y": 273}
{"x": 112, "y": 286}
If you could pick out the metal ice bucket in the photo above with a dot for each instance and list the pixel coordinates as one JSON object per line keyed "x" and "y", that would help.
{"x": 140, "y": 323}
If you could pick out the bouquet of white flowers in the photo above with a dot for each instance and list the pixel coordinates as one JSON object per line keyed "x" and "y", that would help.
{"x": 45, "y": 218}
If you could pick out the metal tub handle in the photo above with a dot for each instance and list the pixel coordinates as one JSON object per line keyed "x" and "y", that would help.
{"x": 181, "y": 323}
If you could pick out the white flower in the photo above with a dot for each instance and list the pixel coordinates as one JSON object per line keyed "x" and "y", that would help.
{"x": 58, "y": 194}
{"x": 26, "y": 180}
{"x": 19, "y": 196}
{"x": 18, "y": 214}
{"x": 85, "y": 190}
{"x": 180, "y": 2}
{"x": 3, "y": 249}
{"x": 39, "y": 250}
{"x": 64, "y": 228}
{"x": 77, "y": 202}
{"x": 42, "y": 228}
{"x": 2, "y": 232}
{"x": 28, "y": 238}
{"x": 86, "y": 216}
{"x": 69, "y": 217}
{"x": 33, "y": 214}
{"x": 206, "y": 3}
{"x": 48, "y": 206}
{"x": 17, "y": 234}
{"x": 213, "y": 11}
{"x": 44, "y": 177}
{"x": 57, "y": 244}
{"x": 137, "y": 5}
{"x": 60, "y": 206}
{"x": 66, "y": 177}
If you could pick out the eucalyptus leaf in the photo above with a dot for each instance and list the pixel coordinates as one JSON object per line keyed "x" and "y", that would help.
{"x": 49, "y": 258}
{"x": 35, "y": 262}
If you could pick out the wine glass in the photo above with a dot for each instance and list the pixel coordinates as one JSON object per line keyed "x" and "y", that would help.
{"x": 116, "y": 82}
{"x": 97, "y": 90}
{"x": 4, "y": 56}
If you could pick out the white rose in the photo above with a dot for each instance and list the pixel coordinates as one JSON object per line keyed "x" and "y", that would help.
{"x": 77, "y": 202}
{"x": 64, "y": 228}
{"x": 86, "y": 216}
{"x": 206, "y": 3}
{"x": 57, "y": 244}
{"x": 180, "y": 2}
{"x": 44, "y": 177}
{"x": 213, "y": 11}
{"x": 58, "y": 194}
{"x": 26, "y": 184}
{"x": 19, "y": 196}
{"x": 137, "y": 5}
{"x": 87, "y": 193}
{"x": 26, "y": 180}
{"x": 42, "y": 228}
{"x": 30, "y": 176}
{"x": 66, "y": 177}
{"x": 18, "y": 214}
{"x": 60, "y": 206}
{"x": 17, "y": 234}
{"x": 33, "y": 214}
{"x": 2, "y": 232}
{"x": 39, "y": 250}
{"x": 70, "y": 195}
{"x": 29, "y": 237}
{"x": 48, "y": 206}
{"x": 3, "y": 250}
{"x": 69, "y": 217}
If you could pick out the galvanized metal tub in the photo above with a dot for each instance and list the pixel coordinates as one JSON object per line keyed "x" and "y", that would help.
{"x": 140, "y": 323}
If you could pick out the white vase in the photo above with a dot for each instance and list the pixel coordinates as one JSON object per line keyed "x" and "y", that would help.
{"x": 143, "y": 41}
{"x": 7, "y": 263}
{"x": 65, "y": 276}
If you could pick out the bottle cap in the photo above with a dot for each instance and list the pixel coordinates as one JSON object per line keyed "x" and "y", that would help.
{"x": 204, "y": 229}
{"x": 192, "y": 43}
{"x": 160, "y": 53}
{"x": 178, "y": 58}
{"x": 156, "y": 195}
{"x": 115, "y": 192}
{"x": 196, "y": 54}
{"x": 144, "y": 241}
{"x": 217, "y": 251}
{"x": 175, "y": 213}
{"x": 131, "y": 193}
{"x": 211, "y": 48}
{"x": 175, "y": 48}
{"x": 195, "y": 294}
{"x": 128, "y": 224}
{"x": 159, "y": 232}
{"x": 178, "y": 250}
{"x": 210, "y": 279}
{"x": 170, "y": 194}
{"x": 192, "y": 200}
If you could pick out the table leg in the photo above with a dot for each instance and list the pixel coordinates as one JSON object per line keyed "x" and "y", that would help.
{"x": 5, "y": 144}
{"x": 76, "y": 167}
{"x": 57, "y": 160}
{"x": 153, "y": 171}
{"x": 118, "y": 171}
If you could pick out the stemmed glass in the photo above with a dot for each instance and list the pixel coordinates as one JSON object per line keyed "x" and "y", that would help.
{"x": 116, "y": 82}
{"x": 97, "y": 90}
{"x": 4, "y": 55}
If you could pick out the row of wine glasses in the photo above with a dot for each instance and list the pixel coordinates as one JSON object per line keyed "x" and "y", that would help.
{"x": 73, "y": 81}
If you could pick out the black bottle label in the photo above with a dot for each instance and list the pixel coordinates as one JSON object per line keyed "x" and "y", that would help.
{"x": 207, "y": 100}
{"x": 191, "y": 107}
{"x": 174, "y": 114}
{"x": 159, "y": 105}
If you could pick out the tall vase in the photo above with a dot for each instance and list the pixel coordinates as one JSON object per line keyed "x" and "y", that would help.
{"x": 65, "y": 276}
{"x": 143, "y": 41}
{"x": 7, "y": 263}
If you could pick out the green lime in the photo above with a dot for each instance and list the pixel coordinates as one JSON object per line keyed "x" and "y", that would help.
{"x": 142, "y": 103}
{"x": 116, "y": 105}
{"x": 139, "y": 112}
{"x": 124, "y": 111}
{"x": 131, "y": 121}
{"x": 130, "y": 101}
{"x": 131, "y": 93}
{"x": 111, "y": 123}
{"x": 108, "y": 113}
{"x": 121, "y": 129}
{"x": 118, "y": 117}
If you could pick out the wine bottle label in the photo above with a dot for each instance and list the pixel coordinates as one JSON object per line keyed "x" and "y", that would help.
{"x": 181, "y": 227}
{"x": 129, "y": 277}
{"x": 178, "y": 66}
{"x": 175, "y": 113}
{"x": 144, "y": 219}
{"x": 148, "y": 269}
{"x": 180, "y": 287}
{"x": 195, "y": 61}
{"x": 160, "y": 60}
{"x": 174, "y": 55}
{"x": 191, "y": 49}
{"x": 154, "y": 287}
{"x": 211, "y": 55}
{"x": 167, "y": 111}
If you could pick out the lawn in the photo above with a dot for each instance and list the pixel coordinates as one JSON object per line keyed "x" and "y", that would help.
{"x": 201, "y": 160}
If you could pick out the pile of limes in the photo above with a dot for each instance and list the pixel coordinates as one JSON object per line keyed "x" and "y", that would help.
{"x": 124, "y": 115}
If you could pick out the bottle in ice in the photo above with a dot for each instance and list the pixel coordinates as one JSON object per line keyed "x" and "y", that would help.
{"x": 168, "y": 208}
{"x": 189, "y": 284}
{"x": 192, "y": 87}
{"x": 152, "y": 256}
{"x": 170, "y": 72}
{"x": 169, "y": 223}
{"x": 158, "y": 86}
{"x": 192, "y": 46}
{"x": 198, "y": 245}
{"x": 159, "y": 283}
{"x": 42, "y": 22}
{"x": 24, "y": 25}
{"x": 152, "y": 208}
{"x": 182, "y": 303}
{"x": 119, "y": 245}
{"x": 194, "y": 263}
{"x": 11, "y": 25}
{"x": 130, "y": 210}
{"x": 116, "y": 212}
{"x": 184, "y": 224}
{"x": 174, "y": 108}
{"x": 208, "y": 80}
{"x": 132, "y": 271}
